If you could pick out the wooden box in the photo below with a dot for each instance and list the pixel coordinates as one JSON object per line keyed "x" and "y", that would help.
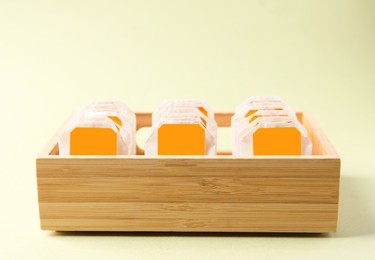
{"x": 191, "y": 193}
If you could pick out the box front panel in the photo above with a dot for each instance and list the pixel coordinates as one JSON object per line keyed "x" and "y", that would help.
{"x": 189, "y": 194}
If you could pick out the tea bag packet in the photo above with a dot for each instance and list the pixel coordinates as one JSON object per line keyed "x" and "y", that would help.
{"x": 258, "y": 100}
{"x": 183, "y": 136}
{"x": 272, "y": 136}
{"x": 178, "y": 112}
{"x": 170, "y": 107}
{"x": 182, "y": 132}
{"x": 182, "y": 127}
{"x": 118, "y": 112}
{"x": 182, "y": 103}
{"x": 92, "y": 135}
{"x": 265, "y": 127}
{"x": 251, "y": 111}
{"x": 252, "y": 108}
{"x": 101, "y": 128}
{"x": 239, "y": 130}
{"x": 240, "y": 122}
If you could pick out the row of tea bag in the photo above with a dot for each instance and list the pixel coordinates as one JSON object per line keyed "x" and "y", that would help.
{"x": 182, "y": 127}
{"x": 266, "y": 125}
{"x": 101, "y": 128}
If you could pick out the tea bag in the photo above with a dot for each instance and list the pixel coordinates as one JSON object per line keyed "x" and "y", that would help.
{"x": 101, "y": 128}
{"x": 262, "y": 126}
{"x": 182, "y": 127}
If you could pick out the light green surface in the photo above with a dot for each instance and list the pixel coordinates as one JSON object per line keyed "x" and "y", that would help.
{"x": 56, "y": 56}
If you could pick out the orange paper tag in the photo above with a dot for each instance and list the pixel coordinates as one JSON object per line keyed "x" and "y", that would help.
{"x": 181, "y": 139}
{"x": 93, "y": 141}
{"x": 277, "y": 141}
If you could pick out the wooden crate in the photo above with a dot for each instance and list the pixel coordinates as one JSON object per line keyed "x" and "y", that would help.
{"x": 191, "y": 193}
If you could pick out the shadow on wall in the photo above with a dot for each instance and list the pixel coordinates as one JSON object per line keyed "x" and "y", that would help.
{"x": 356, "y": 212}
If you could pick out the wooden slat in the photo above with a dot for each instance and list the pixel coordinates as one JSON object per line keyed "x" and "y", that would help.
{"x": 188, "y": 166}
{"x": 218, "y": 217}
{"x": 188, "y": 189}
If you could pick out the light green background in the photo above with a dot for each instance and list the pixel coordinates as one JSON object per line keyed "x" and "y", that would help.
{"x": 56, "y": 56}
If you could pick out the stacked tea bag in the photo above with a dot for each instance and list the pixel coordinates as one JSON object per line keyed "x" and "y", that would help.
{"x": 182, "y": 127}
{"x": 266, "y": 125}
{"x": 101, "y": 128}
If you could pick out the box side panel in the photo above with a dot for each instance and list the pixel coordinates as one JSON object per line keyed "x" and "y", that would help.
{"x": 321, "y": 144}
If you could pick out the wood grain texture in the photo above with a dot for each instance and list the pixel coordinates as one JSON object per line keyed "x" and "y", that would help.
{"x": 202, "y": 217}
{"x": 191, "y": 193}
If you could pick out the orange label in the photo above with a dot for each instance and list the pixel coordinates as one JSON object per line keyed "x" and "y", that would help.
{"x": 93, "y": 141}
{"x": 203, "y": 111}
{"x": 250, "y": 112}
{"x": 116, "y": 120}
{"x": 204, "y": 122}
{"x": 253, "y": 118}
{"x": 277, "y": 141}
{"x": 181, "y": 139}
